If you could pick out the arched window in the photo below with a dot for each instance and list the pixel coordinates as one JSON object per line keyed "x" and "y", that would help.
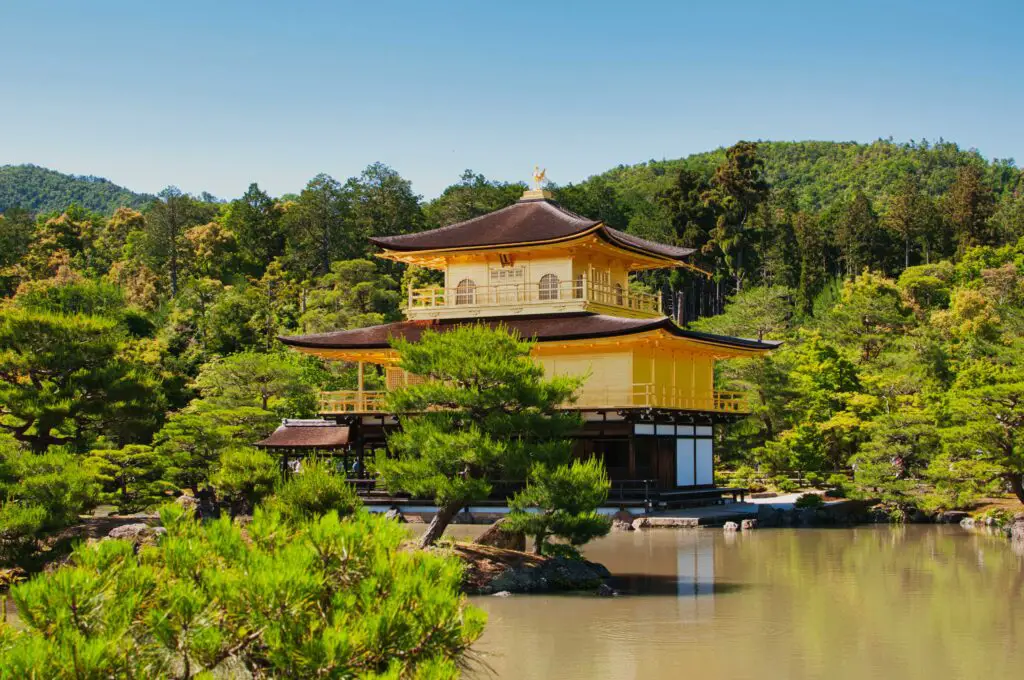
{"x": 619, "y": 296}
{"x": 549, "y": 287}
{"x": 465, "y": 292}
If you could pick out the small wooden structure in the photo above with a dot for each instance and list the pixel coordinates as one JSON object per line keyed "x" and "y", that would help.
{"x": 300, "y": 438}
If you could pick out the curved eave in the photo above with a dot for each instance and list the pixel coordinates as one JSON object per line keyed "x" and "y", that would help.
{"x": 650, "y": 259}
{"x": 733, "y": 346}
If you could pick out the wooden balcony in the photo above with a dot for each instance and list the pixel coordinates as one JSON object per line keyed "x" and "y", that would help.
{"x": 639, "y": 395}
{"x": 352, "y": 401}
{"x": 530, "y": 298}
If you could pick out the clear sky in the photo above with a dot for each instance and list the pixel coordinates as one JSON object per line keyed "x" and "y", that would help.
{"x": 213, "y": 95}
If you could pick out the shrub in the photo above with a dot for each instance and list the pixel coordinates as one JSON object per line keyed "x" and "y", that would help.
{"x": 999, "y": 516}
{"x": 784, "y": 484}
{"x": 838, "y": 485}
{"x": 20, "y": 526}
{"x": 207, "y": 601}
{"x": 809, "y": 500}
{"x": 245, "y": 477}
{"x": 57, "y": 482}
{"x": 814, "y": 479}
{"x": 313, "y": 491}
{"x": 131, "y": 477}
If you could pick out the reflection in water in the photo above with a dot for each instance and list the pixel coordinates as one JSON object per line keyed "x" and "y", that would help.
{"x": 873, "y": 602}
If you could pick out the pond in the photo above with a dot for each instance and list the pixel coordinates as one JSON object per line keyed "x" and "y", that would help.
{"x": 915, "y": 602}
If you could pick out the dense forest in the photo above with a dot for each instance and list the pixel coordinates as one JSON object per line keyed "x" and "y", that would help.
{"x": 42, "y": 191}
{"x": 139, "y": 335}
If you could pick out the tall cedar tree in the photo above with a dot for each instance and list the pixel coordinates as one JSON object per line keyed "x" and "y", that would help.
{"x": 912, "y": 216}
{"x": 255, "y": 220}
{"x": 317, "y": 230}
{"x": 969, "y": 204}
{"x": 168, "y": 219}
{"x": 737, "y": 188}
{"x": 485, "y": 411}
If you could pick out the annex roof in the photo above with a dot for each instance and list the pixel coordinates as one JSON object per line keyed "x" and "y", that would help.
{"x": 307, "y": 434}
{"x": 528, "y": 221}
{"x": 546, "y": 328}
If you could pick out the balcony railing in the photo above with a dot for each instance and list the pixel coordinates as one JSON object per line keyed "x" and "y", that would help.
{"x": 352, "y": 401}
{"x": 638, "y": 395}
{"x": 540, "y": 293}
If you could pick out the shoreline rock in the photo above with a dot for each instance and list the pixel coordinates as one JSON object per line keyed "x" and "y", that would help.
{"x": 490, "y": 570}
{"x": 499, "y": 536}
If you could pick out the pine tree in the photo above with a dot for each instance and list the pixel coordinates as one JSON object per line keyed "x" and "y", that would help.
{"x": 484, "y": 412}
{"x": 322, "y": 598}
{"x": 562, "y": 501}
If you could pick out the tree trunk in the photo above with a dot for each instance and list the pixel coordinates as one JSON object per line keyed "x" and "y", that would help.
{"x": 1017, "y": 485}
{"x": 538, "y": 543}
{"x": 442, "y": 518}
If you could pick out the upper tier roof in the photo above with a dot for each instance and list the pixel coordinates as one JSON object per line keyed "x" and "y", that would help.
{"x": 545, "y": 328}
{"x": 525, "y": 222}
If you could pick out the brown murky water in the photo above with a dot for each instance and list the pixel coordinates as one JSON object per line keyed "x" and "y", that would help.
{"x": 928, "y": 603}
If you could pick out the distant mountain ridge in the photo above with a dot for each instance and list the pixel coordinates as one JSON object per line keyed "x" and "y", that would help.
{"x": 816, "y": 173}
{"x": 41, "y": 190}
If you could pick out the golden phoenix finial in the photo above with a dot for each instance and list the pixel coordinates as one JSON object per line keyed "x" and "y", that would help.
{"x": 538, "y": 176}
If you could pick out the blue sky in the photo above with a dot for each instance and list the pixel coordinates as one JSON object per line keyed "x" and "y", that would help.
{"x": 213, "y": 95}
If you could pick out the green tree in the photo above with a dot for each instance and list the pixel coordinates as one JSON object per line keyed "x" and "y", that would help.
{"x": 738, "y": 187}
{"x": 132, "y": 477}
{"x": 316, "y": 489}
{"x": 16, "y": 230}
{"x": 245, "y": 476}
{"x": 63, "y": 380}
{"x": 383, "y": 204}
{"x": 913, "y": 217}
{"x": 114, "y": 234}
{"x": 484, "y": 412}
{"x": 813, "y": 249}
{"x": 317, "y": 229}
{"x": 167, "y": 220}
{"x": 272, "y": 382}
{"x": 969, "y": 205}
{"x": 986, "y": 407}
{"x": 208, "y": 600}
{"x": 256, "y": 221}
{"x": 354, "y": 294}
{"x": 472, "y": 196}
{"x": 862, "y": 239}
{"x": 562, "y": 501}
{"x": 762, "y": 312}
{"x": 193, "y": 439}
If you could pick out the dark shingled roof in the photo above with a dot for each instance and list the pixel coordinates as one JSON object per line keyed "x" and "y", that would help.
{"x": 576, "y": 326}
{"x": 527, "y": 221}
{"x": 307, "y": 434}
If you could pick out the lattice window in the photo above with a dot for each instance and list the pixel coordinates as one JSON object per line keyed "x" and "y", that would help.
{"x": 396, "y": 377}
{"x": 465, "y": 292}
{"x": 549, "y": 287}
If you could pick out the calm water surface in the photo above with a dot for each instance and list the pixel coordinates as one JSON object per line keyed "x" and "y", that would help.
{"x": 918, "y": 602}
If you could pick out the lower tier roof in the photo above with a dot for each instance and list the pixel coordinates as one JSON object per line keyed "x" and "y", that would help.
{"x": 546, "y": 328}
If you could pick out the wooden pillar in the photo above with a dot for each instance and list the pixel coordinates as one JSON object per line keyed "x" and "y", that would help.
{"x": 359, "y": 388}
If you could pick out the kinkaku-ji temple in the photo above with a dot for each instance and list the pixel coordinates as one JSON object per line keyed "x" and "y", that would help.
{"x": 649, "y": 402}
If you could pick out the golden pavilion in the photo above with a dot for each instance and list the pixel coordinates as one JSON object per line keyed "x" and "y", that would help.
{"x": 649, "y": 401}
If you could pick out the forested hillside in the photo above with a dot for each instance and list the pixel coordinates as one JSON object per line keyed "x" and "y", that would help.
{"x": 144, "y": 340}
{"x": 40, "y": 190}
